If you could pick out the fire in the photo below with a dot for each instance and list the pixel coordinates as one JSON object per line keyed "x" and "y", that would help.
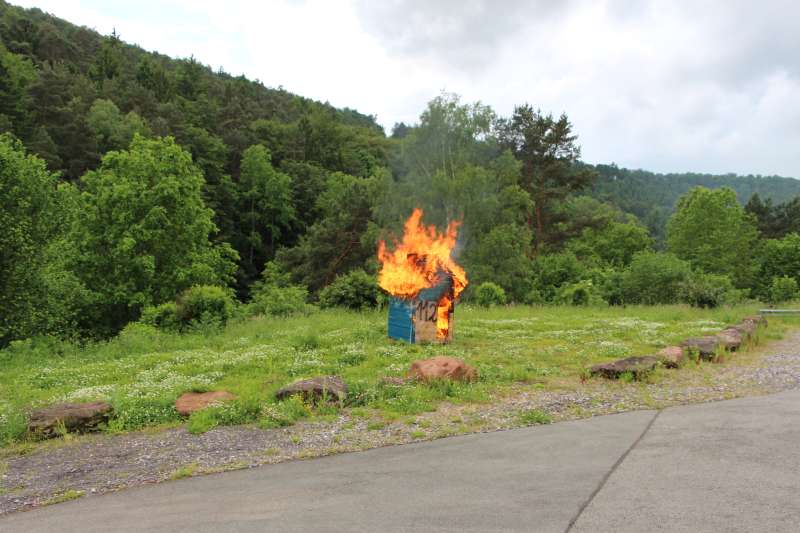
{"x": 420, "y": 261}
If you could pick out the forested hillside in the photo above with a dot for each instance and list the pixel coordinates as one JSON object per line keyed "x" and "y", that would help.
{"x": 652, "y": 197}
{"x": 139, "y": 188}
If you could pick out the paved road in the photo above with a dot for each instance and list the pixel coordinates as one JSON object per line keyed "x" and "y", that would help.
{"x": 727, "y": 466}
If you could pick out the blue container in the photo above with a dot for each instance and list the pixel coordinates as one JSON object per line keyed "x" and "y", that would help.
{"x": 414, "y": 320}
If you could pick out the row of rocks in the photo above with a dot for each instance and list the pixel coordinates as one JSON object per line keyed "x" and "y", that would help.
{"x": 707, "y": 347}
{"x": 86, "y": 417}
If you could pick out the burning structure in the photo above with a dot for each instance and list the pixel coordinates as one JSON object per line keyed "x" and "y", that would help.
{"x": 423, "y": 280}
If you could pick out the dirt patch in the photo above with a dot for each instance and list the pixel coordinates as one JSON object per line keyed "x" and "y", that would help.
{"x": 96, "y": 464}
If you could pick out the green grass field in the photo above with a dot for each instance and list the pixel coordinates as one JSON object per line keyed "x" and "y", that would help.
{"x": 143, "y": 371}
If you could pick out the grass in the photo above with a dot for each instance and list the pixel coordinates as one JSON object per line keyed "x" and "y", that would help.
{"x": 531, "y": 417}
{"x": 184, "y": 471}
{"x": 142, "y": 371}
{"x": 65, "y": 497}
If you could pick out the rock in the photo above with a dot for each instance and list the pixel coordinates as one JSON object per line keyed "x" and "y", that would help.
{"x": 637, "y": 366}
{"x": 705, "y": 347}
{"x": 72, "y": 417}
{"x": 314, "y": 389}
{"x": 189, "y": 402}
{"x": 671, "y": 356}
{"x": 442, "y": 367}
{"x": 745, "y": 329}
{"x": 758, "y": 320}
{"x": 730, "y": 339}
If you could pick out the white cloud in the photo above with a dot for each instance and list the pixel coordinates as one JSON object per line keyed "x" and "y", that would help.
{"x": 681, "y": 85}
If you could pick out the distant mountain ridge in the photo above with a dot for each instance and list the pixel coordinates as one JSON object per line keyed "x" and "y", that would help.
{"x": 652, "y": 196}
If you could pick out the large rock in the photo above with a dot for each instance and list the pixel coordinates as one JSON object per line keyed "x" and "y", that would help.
{"x": 706, "y": 347}
{"x": 671, "y": 356}
{"x": 636, "y": 366}
{"x": 189, "y": 402}
{"x": 758, "y": 320}
{"x": 442, "y": 367}
{"x": 730, "y": 339}
{"x": 745, "y": 329}
{"x": 72, "y": 417}
{"x": 314, "y": 389}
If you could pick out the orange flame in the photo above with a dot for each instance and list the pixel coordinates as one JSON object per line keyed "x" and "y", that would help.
{"x": 418, "y": 262}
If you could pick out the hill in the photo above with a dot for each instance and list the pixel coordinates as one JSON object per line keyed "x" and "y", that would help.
{"x": 652, "y": 197}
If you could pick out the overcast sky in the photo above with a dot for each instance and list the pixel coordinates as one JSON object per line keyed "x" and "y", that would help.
{"x": 672, "y": 85}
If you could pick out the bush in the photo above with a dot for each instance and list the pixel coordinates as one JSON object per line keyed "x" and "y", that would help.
{"x": 654, "y": 278}
{"x": 164, "y": 316}
{"x": 783, "y": 289}
{"x": 556, "y": 270}
{"x": 205, "y": 304}
{"x": 354, "y": 290}
{"x": 583, "y": 292}
{"x": 279, "y": 301}
{"x": 275, "y": 295}
{"x": 488, "y": 294}
{"x": 709, "y": 291}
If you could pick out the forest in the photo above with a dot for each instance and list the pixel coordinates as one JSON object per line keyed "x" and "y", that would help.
{"x": 137, "y": 188}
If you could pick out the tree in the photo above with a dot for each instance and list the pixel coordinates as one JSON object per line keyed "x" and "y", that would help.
{"x": 143, "y": 232}
{"x": 712, "y": 231}
{"x": 549, "y": 152}
{"x": 778, "y": 258}
{"x": 343, "y": 238}
{"x": 16, "y": 75}
{"x": 501, "y": 257}
{"x": 114, "y": 131}
{"x": 108, "y": 61}
{"x": 265, "y": 209}
{"x": 31, "y": 212}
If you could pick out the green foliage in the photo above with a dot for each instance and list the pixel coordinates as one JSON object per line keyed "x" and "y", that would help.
{"x": 13, "y": 424}
{"x": 143, "y": 232}
{"x": 230, "y": 413}
{"x": 778, "y": 258}
{"x": 555, "y": 270}
{"x": 532, "y": 417}
{"x": 354, "y": 290}
{"x": 264, "y": 208}
{"x": 164, "y": 316}
{"x": 33, "y": 283}
{"x": 654, "y": 278}
{"x": 488, "y": 294}
{"x": 275, "y": 295}
{"x": 205, "y": 304}
{"x": 783, "y": 289}
{"x": 284, "y": 413}
{"x": 614, "y": 244}
{"x": 711, "y": 231}
{"x": 114, "y": 130}
{"x": 709, "y": 290}
{"x": 501, "y": 257}
{"x": 548, "y": 151}
{"x": 583, "y": 292}
{"x": 652, "y": 197}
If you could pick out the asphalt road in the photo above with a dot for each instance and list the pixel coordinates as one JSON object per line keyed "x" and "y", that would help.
{"x": 725, "y": 466}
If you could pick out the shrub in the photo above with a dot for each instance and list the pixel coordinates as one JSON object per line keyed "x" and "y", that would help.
{"x": 279, "y": 301}
{"x": 555, "y": 270}
{"x": 654, "y": 278}
{"x": 164, "y": 316}
{"x": 583, "y": 292}
{"x": 709, "y": 290}
{"x": 205, "y": 304}
{"x": 354, "y": 290}
{"x": 783, "y": 289}
{"x": 488, "y": 294}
